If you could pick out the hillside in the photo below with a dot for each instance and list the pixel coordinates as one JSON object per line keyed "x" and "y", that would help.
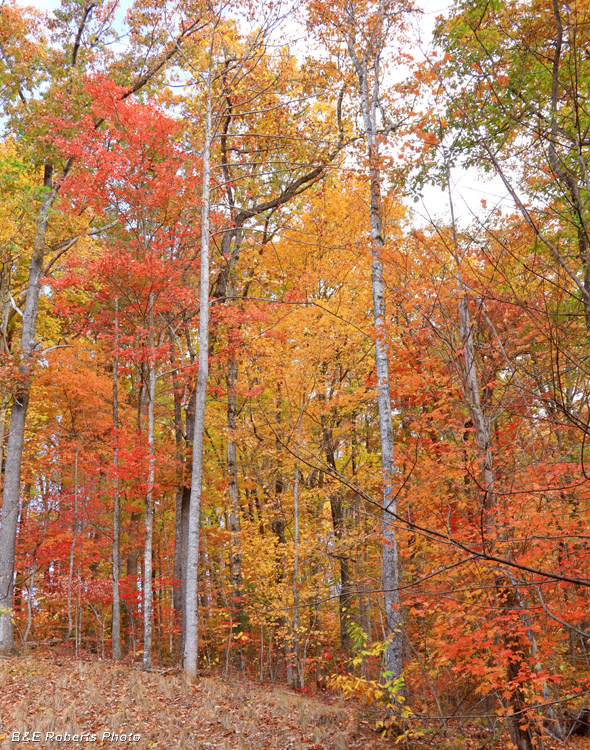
{"x": 59, "y": 695}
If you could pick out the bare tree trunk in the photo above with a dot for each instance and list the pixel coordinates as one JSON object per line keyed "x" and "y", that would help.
{"x": 184, "y": 443}
{"x": 507, "y": 595}
{"x": 18, "y": 413}
{"x": 130, "y": 607}
{"x": 235, "y": 557}
{"x": 31, "y": 586}
{"x": 149, "y": 504}
{"x": 337, "y": 511}
{"x": 192, "y": 564}
{"x": 180, "y": 442}
{"x": 394, "y": 658}
{"x": 3, "y": 401}
{"x": 73, "y": 547}
{"x": 116, "y": 614}
{"x": 299, "y": 667}
{"x": 368, "y": 75}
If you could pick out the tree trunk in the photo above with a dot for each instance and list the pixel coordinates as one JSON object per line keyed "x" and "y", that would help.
{"x": 116, "y": 614}
{"x": 299, "y": 667}
{"x": 73, "y": 547}
{"x": 184, "y": 443}
{"x": 130, "y": 607}
{"x": 3, "y": 402}
{"x": 368, "y": 74}
{"x": 394, "y": 659}
{"x": 178, "y": 572}
{"x": 520, "y": 727}
{"x": 235, "y": 555}
{"x": 345, "y": 595}
{"x": 192, "y": 564}
{"x": 18, "y": 413}
{"x": 149, "y": 504}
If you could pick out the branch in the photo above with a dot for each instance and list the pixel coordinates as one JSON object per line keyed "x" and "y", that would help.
{"x": 165, "y": 57}
{"x": 431, "y": 533}
{"x": 62, "y": 247}
{"x": 81, "y": 27}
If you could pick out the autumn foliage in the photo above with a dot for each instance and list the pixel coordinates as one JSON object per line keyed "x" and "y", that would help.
{"x": 121, "y": 164}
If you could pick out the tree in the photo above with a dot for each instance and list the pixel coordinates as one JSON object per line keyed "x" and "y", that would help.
{"x": 364, "y": 30}
{"x": 73, "y": 53}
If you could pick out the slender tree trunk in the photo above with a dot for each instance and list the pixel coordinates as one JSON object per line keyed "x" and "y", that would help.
{"x": 3, "y": 401}
{"x": 394, "y": 659}
{"x": 31, "y": 586}
{"x": 368, "y": 75}
{"x": 507, "y": 596}
{"x": 183, "y": 493}
{"x": 192, "y": 566}
{"x": 178, "y": 572}
{"x": 18, "y": 413}
{"x": 116, "y": 615}
{"x": 73, "y": 547}
{"x": 345, "y": 595}
{"x": 149, "y": 504}
{"x": 299, "y": 667}
{"x": 130, "y": 606}
{"x": 235, "y": 560}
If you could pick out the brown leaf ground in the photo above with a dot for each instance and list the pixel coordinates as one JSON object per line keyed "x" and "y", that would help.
{"x": 59, "y": 695}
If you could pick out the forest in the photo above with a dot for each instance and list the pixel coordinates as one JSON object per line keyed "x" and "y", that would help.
{"x": 280, "y": 401}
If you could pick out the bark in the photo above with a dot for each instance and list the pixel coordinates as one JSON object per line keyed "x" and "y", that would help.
{"x": 184, "y": 500}
{"x": 179, "y": 439}
{"x": 149, "y": 505}
{"x": 130, "y": 607}
{"x": 394, "y": 660}
{"x": 368, "y": 75}
{"x": 194, "y": 520}
{"x": 73, "y": 547}
{"x": 3, "y": 403}
{"x": 299, "y": 666}
{"x": 506, "y": 593}
{"x": 18, "y": 413}
{"x": 116, "y": 553}
{"x": 184, "y": 442}
{"x": 339, "y": 526}
{"x": 235, "y": 559}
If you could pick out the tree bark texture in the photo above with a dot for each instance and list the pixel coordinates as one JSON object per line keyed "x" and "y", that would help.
{"x": 190, "y": 659}
{"x": 368, "y": 75}
{"x": 149, "y": 505}
{"x": 18, "y": 414}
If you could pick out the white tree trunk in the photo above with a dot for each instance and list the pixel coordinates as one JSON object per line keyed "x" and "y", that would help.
{"x": 368, "y": 74}
{"x": 149, "y": 502}
{"x": 191, "y": 645}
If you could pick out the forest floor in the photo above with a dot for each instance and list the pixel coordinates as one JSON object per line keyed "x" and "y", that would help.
{"x": 56, "y": 694}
